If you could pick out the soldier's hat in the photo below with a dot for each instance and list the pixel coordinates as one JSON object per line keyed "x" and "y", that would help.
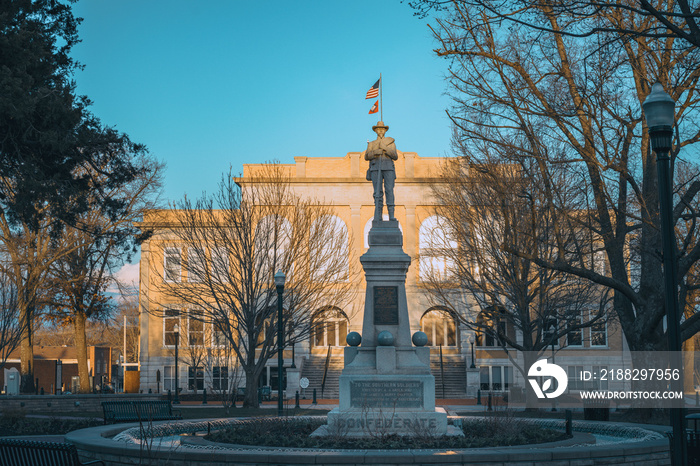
{"x": 380, "y": 124}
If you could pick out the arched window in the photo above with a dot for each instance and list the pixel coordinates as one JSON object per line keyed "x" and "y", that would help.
{"x": 436, "y": 243}
{"x": 329, "y": 327}
{"x": 440, "y": 326}
{"x": 272, "y": 237}
{"x": 334, "y": 258}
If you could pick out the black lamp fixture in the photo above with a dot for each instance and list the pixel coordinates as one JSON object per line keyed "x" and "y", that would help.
{"x": 471, "y": 342}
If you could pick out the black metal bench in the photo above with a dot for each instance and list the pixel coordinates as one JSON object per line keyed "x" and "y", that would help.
{"x": 596, "y": 410}
{"x": 17, "y": 452}
{"x": 138, "y": 411}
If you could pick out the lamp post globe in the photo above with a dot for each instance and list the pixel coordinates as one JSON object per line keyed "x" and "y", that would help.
{"x": 280, "y": 279}
{"x": 659, "y": 112}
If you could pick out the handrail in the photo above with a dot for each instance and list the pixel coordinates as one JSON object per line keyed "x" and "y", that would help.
{"x": 442, "y": 373}
{"x": 325, "y": 369}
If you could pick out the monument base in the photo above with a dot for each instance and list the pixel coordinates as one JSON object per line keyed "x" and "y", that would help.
{"x": 377, "y": 422}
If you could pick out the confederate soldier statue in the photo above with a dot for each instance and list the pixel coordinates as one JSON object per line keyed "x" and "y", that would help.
{"x": 381, "y": 154}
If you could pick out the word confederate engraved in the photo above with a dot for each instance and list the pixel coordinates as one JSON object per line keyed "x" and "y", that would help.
{"x": 386, "y": 305}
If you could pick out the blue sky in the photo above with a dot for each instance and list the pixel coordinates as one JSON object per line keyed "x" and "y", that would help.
{"x": 213, "y": 84}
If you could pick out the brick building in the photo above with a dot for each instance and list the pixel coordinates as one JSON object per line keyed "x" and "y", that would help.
{"x": 56, "y": 368}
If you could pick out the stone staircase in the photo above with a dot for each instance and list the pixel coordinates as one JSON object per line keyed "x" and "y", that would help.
{"x": 455, "y": 370}
{"x": 313, "y": 370}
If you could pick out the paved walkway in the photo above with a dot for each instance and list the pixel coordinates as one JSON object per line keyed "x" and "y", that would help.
{"x": 39, "y": 438}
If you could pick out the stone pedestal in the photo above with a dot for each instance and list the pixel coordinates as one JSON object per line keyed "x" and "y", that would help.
{"x": 386, "y": 385}
{"x": 472, "y": 382}
{"x": 292, "y": 382}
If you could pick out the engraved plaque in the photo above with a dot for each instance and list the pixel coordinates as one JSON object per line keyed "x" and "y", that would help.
{"x": 386, "y": 394}
{"x": 386, "y": 305}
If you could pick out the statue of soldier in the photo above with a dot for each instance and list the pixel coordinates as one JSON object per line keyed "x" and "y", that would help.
{"x": 381, "y": 154}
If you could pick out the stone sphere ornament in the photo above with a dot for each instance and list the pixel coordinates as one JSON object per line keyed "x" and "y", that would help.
{"x": 385, "y": 338}
{"x": 419, "y": 338}
{"x": 354, "y": 339}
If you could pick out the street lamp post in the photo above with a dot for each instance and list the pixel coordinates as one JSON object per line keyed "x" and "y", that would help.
{"x": 659, "y": 110}
{"x": 294, "y": 365}
{"x": 176, "y": 400}
{"x": 553, "y": 329}
{"x": 471, "y": 342}
{"x": 279, "y": 283}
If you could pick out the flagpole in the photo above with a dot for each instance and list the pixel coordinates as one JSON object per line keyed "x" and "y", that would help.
{"x": 381, "y": 105}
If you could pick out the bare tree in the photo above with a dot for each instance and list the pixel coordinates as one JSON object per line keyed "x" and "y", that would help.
{"x": 576, "y": 115}
{"x": 97, "y": 245}
{"x": 509, "y": 300}
{"x": 10, "y": 329}
{"x": 29, "y": 254}
{"x": 232, "y": 244}
{"x": 661, "y": 18}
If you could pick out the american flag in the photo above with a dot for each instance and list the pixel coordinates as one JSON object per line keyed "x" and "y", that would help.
{"x": 373, "y": 91}
{"x": 375, "y": 108}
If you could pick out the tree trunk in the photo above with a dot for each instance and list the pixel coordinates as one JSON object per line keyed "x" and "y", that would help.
{"x": 26, "y": 352}
{"x": 531, "y": 400}
{"x": 81, "y": 349}
{"x": 251, "y": 389}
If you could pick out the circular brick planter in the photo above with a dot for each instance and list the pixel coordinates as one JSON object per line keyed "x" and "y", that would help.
{"x": 648, "y": 448}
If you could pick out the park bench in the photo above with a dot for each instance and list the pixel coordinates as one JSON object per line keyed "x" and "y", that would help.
{"x": 596, "y": 410}
{"x": 138, "y": 411}
{"x": 17, "y": 452}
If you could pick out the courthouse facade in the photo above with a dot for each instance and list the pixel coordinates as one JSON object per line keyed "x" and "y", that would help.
{"x": 340, "y": 182}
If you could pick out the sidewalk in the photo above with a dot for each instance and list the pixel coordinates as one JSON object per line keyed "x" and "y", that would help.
{"x": 39, "y": 438}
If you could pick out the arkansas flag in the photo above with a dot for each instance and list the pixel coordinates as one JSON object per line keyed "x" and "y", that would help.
{"x": 375, "y": 108}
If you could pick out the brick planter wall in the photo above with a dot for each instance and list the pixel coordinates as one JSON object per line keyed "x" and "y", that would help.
{"x": 94, "y": 443}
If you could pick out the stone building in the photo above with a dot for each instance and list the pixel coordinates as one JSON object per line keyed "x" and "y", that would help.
{"x": 341, "y": 183}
